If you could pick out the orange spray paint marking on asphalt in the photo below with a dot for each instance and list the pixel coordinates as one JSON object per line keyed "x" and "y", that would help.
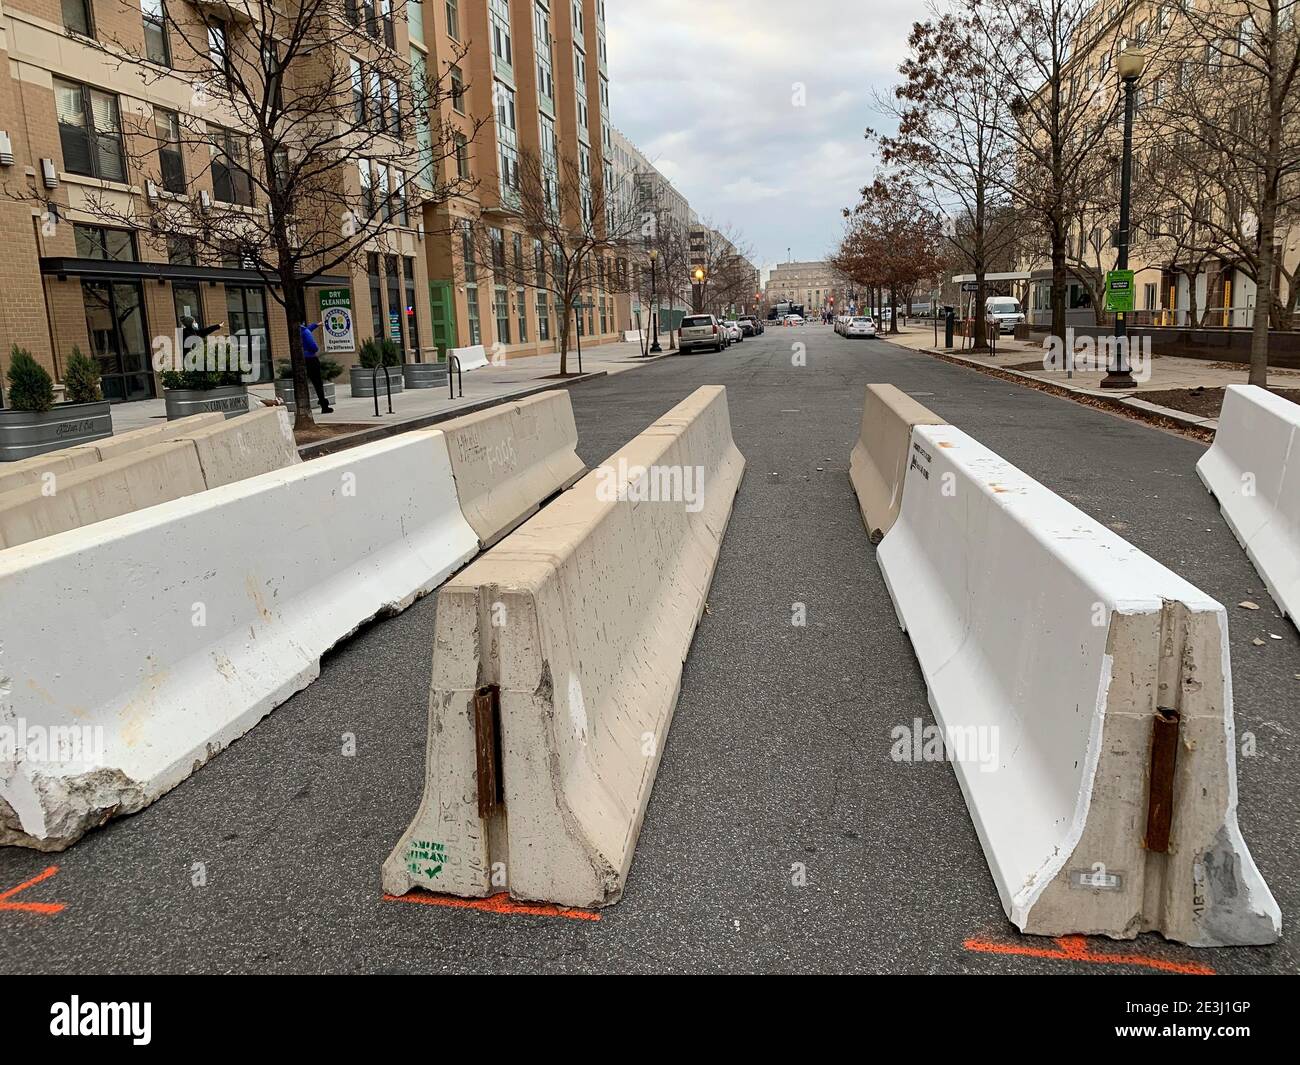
{"x": 31, "y": 907}
{"x": 1075, "y": 948}
{"x": 500, "y": 903}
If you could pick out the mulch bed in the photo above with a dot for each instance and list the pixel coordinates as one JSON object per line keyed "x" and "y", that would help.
{"x": 326, "y": 430}
{"x": 1203, "y": 402}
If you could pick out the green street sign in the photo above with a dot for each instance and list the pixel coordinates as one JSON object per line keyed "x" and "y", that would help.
{"x": 1121, "y": 293}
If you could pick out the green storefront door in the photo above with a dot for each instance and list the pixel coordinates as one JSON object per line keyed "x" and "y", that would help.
{"x": 442, "y": 304}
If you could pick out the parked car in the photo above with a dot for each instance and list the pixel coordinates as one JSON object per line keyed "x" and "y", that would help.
{"x": 700, "y": 331}
{"x": 1006, "y": 310}
{"x": 840, "y": 322}
{"x": 859, "y": 326}
{"x": 734, "y": 331}
{"x": 748, "y": 326}
{"x": 755, "y": 323}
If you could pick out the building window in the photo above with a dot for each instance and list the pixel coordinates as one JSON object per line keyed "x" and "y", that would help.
{"x": 499, "y": 12}
{"x": 543, "y": 318}
{"x": 377, "y": 113}
{"x": 90, "y": 131}
{"x": 358, "y": 77}
{"x": 462, "y": 156}
{"x": 507, "y": 144}
{"x": 385, "y": 203}
{"x": 542, "y": 48}
{"x": 157, "y": 48}
{"x": 457, "y": 88}
{"x": 400, "y": 213}
{"x": 246, "y": 318}
{"x": 187, "y": 302}
{"x": 498, "y": 242}
{"x": 394, "y": 121}
{"x": 351, "y": 13}
{"x": 415, "y": 20}
{"x": 501, "y": 305}
{"x": 376, "y": 296}
{"x": 386, "y": 13}
{"x": 77, "y": 17}
{"x": 99, "y": 242}
{"x": 471, "y": 305}
{"x": 467, "y": 250}
{"x": 1149, "y": 297}
{"x": 521, "y": 307}
{"x": 367, "y": 187}
{"x": 171, "y": 160}
{"x": 395, "y": 315}
{"x": 231, "y": 182}
{"x": 181, "y": 250}
{"x": 218, "y": 52}
{"x": 412, "y": 319}
{"x": 453, "y": 21}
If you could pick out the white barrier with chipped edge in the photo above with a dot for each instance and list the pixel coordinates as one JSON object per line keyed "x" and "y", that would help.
{"x": 472, "y": 357}
{"x": 582, "y": 618}
{"x": 278, "y": 568}
{"x": 1031, "y": 619}
{"x": 1253, "y": 470}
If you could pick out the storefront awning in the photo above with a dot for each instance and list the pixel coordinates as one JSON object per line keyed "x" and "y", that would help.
{"x": 63, "y": 266}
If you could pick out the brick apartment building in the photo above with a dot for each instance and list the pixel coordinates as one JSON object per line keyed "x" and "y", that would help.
{"x": 89, "y": 105}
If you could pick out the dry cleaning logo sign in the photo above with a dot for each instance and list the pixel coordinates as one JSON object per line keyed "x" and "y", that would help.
{"x": 338, "y": 323}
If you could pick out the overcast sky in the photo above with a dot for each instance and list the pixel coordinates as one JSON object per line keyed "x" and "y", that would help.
{"x": 706, "y": 89}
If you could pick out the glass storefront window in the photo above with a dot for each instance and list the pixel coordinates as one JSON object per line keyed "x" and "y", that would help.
{"x": 246, "y": 310}
{"x": 116, "y": 327}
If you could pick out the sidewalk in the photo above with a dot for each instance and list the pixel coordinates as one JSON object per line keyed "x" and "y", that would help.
{"x": 483, "y": 385}
{"x": 1172, "y": 378}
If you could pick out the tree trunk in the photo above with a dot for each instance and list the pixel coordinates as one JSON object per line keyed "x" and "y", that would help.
{"x": 893, "y": 309}
{"x": 564, "y": 339}
{"x": 295, "y": 312}
{"x": 1263, "y": 291}
{"x": 1192, "y": 320}
{"x": 1058, "y": 282}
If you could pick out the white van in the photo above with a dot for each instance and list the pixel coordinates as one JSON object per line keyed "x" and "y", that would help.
{"x": 1006, "y": 309}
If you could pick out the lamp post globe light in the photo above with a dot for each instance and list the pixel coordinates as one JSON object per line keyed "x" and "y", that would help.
{"x": 655, "y": 349}
{"x": 1130, "y": 65}
{"x": 698, "y": 275}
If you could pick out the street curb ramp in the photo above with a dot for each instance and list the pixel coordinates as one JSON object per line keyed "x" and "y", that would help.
{"x": 556, "y": 666}
{"x": 1253, "y": 470}
{"x": 510, "y": 458}
{"x": 170, "y": 632}
{"x": 1084, "y": 692}
{"x": 879, "y": 458}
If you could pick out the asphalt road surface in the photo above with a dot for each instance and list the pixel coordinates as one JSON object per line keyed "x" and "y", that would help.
{"x": 267, "y": 859}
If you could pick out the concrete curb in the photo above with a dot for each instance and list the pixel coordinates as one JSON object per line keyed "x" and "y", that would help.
{"x": 423, "y": 421}
{"x": 1202, "y": 427}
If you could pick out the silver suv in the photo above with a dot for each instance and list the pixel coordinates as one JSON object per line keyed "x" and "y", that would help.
{"x": 701, "y": 331}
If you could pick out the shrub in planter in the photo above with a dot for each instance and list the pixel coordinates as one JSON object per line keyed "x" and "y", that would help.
{"x": 30, "y": 386}
{"x": 379, "y": 353}
{"x": 81, "y": 379}
{"x": 200, "y": 380}
{"x": 329, "y": 370}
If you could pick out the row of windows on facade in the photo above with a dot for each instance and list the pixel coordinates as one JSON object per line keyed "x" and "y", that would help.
{"x": 616, "y": 271}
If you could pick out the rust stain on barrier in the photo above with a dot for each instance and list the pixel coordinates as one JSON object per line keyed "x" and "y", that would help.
{"x": 1164, "y": 759}
{"x": 501, "y": 903}
{"x": 487, "y": 750}
{"x": 31, "y": 907}
{"x": 1075, "y": 948}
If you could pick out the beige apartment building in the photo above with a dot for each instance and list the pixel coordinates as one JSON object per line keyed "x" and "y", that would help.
{"x": 540, "y": 70}
{"x": 815, "y": 285}
{"x": 93, "y": 93}
{"x": 1172, "y": 276}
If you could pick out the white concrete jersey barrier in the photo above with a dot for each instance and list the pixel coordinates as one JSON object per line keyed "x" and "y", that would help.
{"x": 1253, "y": 469}
{"x": 509, "y": 458}
{"x": 471, "y": 358}
{"x": 166, "y": 634}
{"x": 562, "y": 649}
{"x": 38, "y": 469}
{"x": 1050, "y": 648}
{"x": 196, "y": 453}
{"x": 878, "y": 461}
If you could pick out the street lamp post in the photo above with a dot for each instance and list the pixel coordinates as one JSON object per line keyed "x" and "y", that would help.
{"x": 655, "y": 349}
{"x": 1131, "y": 62}
{"x": 699, "y": 289}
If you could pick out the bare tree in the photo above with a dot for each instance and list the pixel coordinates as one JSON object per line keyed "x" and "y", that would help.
{"x": 308, "y": 138}
{"x": 1233, "y": 112}
{"x": 952, "y": 138}
{"x": 1063, "y": 102}
{"x": 729, "y": 277}
{"x": 580, "y": 237}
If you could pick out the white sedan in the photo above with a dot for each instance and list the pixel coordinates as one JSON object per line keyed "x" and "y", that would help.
{"x": 794, "y": 319}
{"x": 859, "y": 326}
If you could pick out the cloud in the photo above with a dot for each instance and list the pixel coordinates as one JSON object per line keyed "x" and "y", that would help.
{"x": 756, "y": 111}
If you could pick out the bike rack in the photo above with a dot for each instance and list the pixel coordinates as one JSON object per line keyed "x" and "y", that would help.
{"x": 453, "y": 366}
{"x": 388, "y": 387}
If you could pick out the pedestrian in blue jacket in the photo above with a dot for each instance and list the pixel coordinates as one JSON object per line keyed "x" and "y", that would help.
{"x": 311, "y": 355}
